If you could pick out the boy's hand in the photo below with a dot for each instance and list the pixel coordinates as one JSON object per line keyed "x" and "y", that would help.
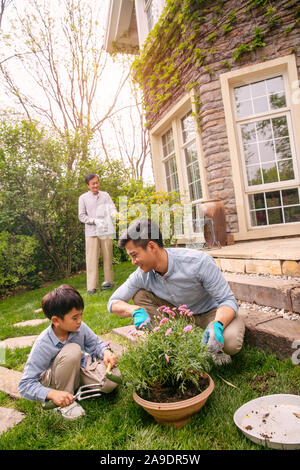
{"x": 60, "y": 398}
{"x": 109, "y": 357}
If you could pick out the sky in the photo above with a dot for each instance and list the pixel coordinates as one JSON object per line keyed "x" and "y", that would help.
{"x": 110, "y": 78}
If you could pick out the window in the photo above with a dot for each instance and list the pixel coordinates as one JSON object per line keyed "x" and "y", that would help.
{"x": 169, "y": 161}
{"x": 190, "y": 156}
{"x": 266, "y": 146}
{"x": 152, "y": 11}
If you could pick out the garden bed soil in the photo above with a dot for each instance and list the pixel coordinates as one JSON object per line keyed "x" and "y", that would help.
{"x": 172, "y": 393}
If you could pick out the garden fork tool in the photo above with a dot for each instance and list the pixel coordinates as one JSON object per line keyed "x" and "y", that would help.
{"x": 83, "y": 393}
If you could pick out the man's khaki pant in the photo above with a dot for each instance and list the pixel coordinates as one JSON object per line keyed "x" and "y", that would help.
{"x": 67, "y": 375}
{"x": 233, "y": 334}
{"x": 93, "y": 247}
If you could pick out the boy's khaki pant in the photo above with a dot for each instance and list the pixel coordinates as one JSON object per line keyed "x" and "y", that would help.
{"x": 93, "y": 247}
{"x": 233, "y": 333}
{"x": 67, "y": 375}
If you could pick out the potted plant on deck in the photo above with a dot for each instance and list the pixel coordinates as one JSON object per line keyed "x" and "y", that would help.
{"x": 168, "y": 368}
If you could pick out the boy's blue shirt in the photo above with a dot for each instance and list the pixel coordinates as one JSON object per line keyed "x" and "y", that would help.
{"x": 43, "y": 353}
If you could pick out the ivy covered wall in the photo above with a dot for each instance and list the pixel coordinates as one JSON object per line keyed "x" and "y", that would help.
{"x": 192, "y": 44}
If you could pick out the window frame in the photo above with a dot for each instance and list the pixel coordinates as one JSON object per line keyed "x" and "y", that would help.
{"x": 285, "y": 66}
{"x": 172, "y": 119}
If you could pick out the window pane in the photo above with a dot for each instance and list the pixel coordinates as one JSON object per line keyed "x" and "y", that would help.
{"x": 280, "y": 127}
{"x": 275, "y": 216}
{"x": 244, "y": 108}
{"x": 258, "y": 218}
{"x": 270, "y": 173}
{"x": 254, "y": 175}
{"x": 242, "y": 93}
{"x": 258, "y": 89}
{"x": 273, "y": 199}
{"x": 264, "y": 130}
{"x": 248, "y": 133}
{"x": 188, "y": 127}
{"x": 286, "y": 170}
{"x": 251, "y": 154}
{"x": 274, "y": 85}
{"x": 292, "y": 214}
{"x": 290, "y": 196}
{"x": 277, "y": 100}
{"x": 266, "y": 150}
{"x": 261, "y": 105}
{"x": 283, "y": 148}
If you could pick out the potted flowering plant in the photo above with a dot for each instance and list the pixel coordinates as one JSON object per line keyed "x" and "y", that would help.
{"x": 168, "y": 369}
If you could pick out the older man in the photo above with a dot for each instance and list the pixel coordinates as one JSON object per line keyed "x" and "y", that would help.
{"x": 95, "y": 209}
{"x": 177, "y": 276}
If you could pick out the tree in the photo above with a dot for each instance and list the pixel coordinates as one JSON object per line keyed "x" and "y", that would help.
{"x": 39, "y": 192}
{"x": 3, "y": 5}
{"x": 59, "y": 47}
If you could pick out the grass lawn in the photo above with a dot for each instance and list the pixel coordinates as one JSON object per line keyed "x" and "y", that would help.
{"x": 116, "y": 422}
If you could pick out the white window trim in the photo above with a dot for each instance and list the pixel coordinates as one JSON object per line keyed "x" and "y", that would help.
{"x": 287, "y": 67}
{"x": 141, "y": 17}
{"x": 172, "y": 119}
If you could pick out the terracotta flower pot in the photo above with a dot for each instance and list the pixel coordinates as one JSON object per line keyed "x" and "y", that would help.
{"x": 176, "y": 413}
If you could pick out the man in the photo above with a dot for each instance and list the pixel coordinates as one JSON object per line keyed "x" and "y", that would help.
{"x": 173, "y": 277}
{"x": 95, "y": 209}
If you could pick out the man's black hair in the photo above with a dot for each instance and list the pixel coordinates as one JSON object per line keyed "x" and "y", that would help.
{"x": 141, "y": 232}
{"x": 61, "y": 301}
{"x": 89, "y": 177}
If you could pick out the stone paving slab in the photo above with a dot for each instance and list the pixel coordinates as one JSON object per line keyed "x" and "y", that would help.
{"x": 9, "y": 380}
{"x": 9, "y": 418}
{"x": 35, "y": 322}
{"x": 129, "y": 332}
{"x": 19, "y": 342}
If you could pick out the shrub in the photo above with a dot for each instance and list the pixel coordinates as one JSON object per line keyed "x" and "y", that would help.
{"x": 17, "y": 267}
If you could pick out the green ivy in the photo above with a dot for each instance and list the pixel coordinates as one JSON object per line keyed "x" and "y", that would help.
{"x": 159, "y": 68}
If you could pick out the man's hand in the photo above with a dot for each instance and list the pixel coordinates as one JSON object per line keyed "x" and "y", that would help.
{"x": 140, "y": 317}
{"x": 60, "y": 398}
{"x": 109, "y": 357}
{"x": 213, "y": 337}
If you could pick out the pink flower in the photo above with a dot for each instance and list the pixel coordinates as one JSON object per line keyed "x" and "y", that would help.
{"x": 168, "y": 331}
{"x": 167, "y": 358}
{"x": 161, "y": 307}
{"x": 183, "y": 306}
{"x": 156, "y": 328}
{"x": 107, "y": 343}
{"x": 164, "y": 320}
{"x": 188, "y": 328}
{"x": 144, "y": 323}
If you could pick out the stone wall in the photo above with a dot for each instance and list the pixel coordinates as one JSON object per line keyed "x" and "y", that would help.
{"x": 279, "y": 42}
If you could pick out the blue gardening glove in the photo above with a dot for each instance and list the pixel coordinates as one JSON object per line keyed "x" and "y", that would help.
{"x": 213, "y": 337}
{"x": 141, "y": 318}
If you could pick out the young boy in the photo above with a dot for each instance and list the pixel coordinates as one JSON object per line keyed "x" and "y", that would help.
{"x": 65, "y": 355}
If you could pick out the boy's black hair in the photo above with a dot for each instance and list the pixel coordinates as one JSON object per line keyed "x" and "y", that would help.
{"x": 90, "y": 177}
{"x": 141, "y": 232}
{"x": 61, "y": 301}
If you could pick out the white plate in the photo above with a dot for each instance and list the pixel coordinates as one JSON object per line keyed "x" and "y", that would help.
{"x": 272, "y": 420}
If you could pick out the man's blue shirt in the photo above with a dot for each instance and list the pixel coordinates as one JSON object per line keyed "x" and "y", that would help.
{"x": 192, "y": 279}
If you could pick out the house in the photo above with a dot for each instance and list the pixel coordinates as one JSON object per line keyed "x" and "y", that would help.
{"x": 221, "y": 90}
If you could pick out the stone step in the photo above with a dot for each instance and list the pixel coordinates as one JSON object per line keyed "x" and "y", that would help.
{"x": 273, "y": 292}
{"x": 9, "y": 418}
{"x": 259, "y": 266}
{"x": 9, "y": 380}
{"x": 19, "y": 342}
{"x": 272, "y": 333}
{"x": 35, "y": 322}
